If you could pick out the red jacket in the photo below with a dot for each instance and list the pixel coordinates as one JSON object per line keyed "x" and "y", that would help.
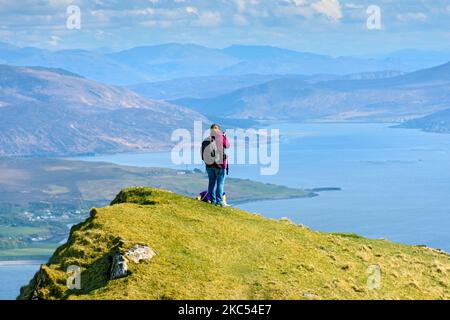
{"x": 225, "y": 145}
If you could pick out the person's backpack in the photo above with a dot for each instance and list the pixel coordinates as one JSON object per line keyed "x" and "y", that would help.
{"x": 209, "y": 148}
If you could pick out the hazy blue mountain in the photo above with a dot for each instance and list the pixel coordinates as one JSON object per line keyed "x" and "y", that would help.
{"x": 249, "y": 53}
{"x": 434, "y": 75}
{"x": 174, "y": 61}
{"x": 265, "y": 101}
{"x": 200, "y": 87}
{"x": 431, "y": 80}
{"x": 413, "y": 59}
{"x": 211, "y": 86}
{"x": 9, "y": 53}
{"x": 371, "y": 75}
{"x": 188, "y": 60}
{"x": 436, "y": 122}
{"x": 387, "y": 99}
{"x": 54, "y": 112}
{"x": 92, "y": 65}
{"x": 169, "y": 61}
{"x": 271, "y": 60}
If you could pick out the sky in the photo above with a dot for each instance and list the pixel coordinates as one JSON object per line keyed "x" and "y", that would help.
{"x": 335, "y": 27}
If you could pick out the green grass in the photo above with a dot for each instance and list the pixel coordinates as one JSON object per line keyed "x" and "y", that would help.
{"x": 29, "y": 253}
{"x": 8, "y": 231}
{"x": 205, "y": 252}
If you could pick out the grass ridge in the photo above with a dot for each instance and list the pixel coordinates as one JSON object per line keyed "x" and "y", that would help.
{"x": 205, "y": 252}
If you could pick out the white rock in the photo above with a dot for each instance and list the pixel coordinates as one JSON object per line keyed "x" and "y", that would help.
{"x": 139, "y": 253}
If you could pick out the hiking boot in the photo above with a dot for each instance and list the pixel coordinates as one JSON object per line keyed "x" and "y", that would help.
{"x": 223, "y": 205}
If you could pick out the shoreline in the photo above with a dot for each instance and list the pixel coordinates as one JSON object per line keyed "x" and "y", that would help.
{"x": 6, "y": 263}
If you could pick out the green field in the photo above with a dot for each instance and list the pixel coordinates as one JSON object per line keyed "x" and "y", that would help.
{"x": 37, "y": 252}
{"x": 8, "y": 231}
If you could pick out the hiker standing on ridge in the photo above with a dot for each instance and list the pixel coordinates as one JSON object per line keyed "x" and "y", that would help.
{"x": 213, "y": 154}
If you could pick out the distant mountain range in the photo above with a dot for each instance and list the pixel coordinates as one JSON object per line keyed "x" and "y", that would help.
{"x": 59, "y": 111}
{"x": 54, "y": 112}
{"x": 201, "y": 87}
{"x": 89, "y": 64}
{"x": 414, "y": 59}
{"x": 171, "y": 61}
{"x": 379, "y": 99}
{"x": 269, "y": 60}
{"x": 211, "y": 86}
{"x": 174, "y": 60}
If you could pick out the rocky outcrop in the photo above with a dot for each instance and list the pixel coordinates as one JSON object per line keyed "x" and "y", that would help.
{"x": 119, "y": 268}
{"x": 139, "y": 253}
{"x": 136, "y": 254}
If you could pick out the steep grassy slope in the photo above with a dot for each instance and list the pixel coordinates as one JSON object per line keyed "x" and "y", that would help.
{"x": 204, "y": 252}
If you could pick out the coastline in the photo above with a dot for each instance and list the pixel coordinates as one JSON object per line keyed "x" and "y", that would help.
{"x": 6, "y": 263}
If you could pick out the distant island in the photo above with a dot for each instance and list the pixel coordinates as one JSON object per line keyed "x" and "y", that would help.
{"x": 325, "y": 189}
{"x": 438, "y": 122}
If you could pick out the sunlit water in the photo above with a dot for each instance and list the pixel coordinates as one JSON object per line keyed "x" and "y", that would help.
{"x": 15, "y": 275}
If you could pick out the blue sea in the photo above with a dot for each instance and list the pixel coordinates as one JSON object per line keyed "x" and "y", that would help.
{"x": 14, "y": 275}
{"x": 395, "y": 184}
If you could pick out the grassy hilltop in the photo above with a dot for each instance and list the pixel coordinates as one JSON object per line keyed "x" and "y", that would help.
{"x": 205, "y": 252}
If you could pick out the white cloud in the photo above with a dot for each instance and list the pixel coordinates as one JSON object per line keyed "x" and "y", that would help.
{"x": 54, "y": 40}
{"x": 289, "y": 12}
{"x": 354, "y": 6}
{"x": 412, "y": 16}
{"x": 243, "y": 5}
{"x": 298, "y": 2}
{"x": 240, "y": 5}
{"x": 209, "y": 19}
{"x": 240, "y": 20}
{"x": 329, "y": 8}
{"x": 33, "y": 22}
{"x": 157, "y": 24}
{"x": 192, "y": 10}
